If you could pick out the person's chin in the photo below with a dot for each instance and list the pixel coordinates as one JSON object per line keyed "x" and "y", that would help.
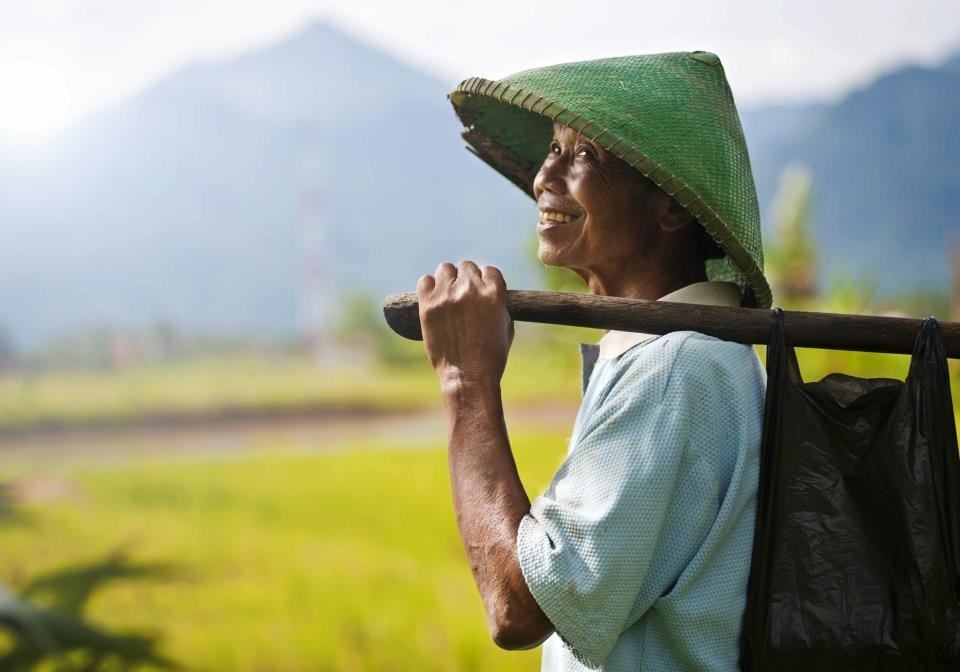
{"x": 550, "y": 256}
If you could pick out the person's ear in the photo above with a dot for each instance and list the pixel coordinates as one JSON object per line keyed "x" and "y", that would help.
{"x": 674, "y": 217}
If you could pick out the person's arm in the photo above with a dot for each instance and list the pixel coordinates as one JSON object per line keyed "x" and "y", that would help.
{"x": 467, "y": 334}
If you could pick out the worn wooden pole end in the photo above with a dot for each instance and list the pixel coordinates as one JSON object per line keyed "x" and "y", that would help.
{"x": 403, "y": 315}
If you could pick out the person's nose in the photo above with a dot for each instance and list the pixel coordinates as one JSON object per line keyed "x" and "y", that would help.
{"x": 550, "y": 178}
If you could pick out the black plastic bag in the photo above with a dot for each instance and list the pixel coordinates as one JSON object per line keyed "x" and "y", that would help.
{"x": 855, "y": 559}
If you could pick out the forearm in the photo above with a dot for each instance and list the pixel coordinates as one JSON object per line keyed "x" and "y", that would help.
{"x": 489, "y": 501}
{"x": 467, "y": 333}
{"x": 488, "y": 496}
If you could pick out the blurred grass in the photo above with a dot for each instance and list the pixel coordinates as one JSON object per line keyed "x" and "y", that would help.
{"x": 195, "y": 387}
{"x": 248, "y": 383}
{"x": 541, "y": 369}
{"x": 343, "y": 561}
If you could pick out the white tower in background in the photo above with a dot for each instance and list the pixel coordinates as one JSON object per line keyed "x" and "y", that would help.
{"x": 318, "y": 295}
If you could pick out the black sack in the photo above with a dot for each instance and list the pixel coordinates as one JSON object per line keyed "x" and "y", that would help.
{"x": 855, "y": 558}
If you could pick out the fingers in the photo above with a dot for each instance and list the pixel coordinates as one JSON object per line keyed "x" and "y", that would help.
{"x": 468, "y": 271}
{"x": 425, "y": 284}
{"x": 446, "y": 273}
{"x": 493, "y": 275}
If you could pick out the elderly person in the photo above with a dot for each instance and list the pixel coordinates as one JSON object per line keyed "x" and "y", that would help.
{"x": 637, "y": 555}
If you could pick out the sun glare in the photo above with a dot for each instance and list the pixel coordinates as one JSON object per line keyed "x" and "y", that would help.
{"x": 34, "y": 100}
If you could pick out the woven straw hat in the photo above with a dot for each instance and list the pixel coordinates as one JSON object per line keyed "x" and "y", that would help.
{"x": 670, "y": 116}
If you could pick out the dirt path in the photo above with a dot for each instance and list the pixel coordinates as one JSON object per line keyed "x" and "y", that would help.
{"x": 219, "y": 435}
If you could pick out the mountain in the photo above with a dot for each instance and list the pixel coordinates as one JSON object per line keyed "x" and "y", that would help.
{"x": 885, "y": 173}
{"x": 246, "y": 196}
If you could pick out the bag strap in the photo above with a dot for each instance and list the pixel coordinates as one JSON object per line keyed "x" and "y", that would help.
{"x": 928, "y": 386}
{"x": 782, "y": 372}
{"x": 781, "y": 358}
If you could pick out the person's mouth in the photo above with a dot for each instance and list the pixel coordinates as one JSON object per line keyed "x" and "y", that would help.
{"x": 550, "y": 218}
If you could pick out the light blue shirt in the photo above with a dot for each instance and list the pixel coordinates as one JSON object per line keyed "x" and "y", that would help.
{"x": 639, "y": 550}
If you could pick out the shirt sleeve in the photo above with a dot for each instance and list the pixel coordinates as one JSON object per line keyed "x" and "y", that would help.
{"x": 587, "y": 547}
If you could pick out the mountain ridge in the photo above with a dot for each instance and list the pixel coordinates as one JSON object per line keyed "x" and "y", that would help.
{"x": 245, "y": 196}
{"x": 884, "y": 179}
{"x": 189, "y": 205}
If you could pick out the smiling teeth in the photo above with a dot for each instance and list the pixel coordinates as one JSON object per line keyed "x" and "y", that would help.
{"x": 556, "y": 216}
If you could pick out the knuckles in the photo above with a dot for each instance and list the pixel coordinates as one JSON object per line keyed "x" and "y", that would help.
{"x": 455, "y": 287}
{"x": 444, "y": 267}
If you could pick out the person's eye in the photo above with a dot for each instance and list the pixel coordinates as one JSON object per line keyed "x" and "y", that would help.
{"x": 585, "y": 152}
{"x": 554, "y": 147}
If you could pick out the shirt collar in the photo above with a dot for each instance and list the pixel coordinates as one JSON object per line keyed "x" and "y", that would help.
{"x": 709, "y": 292}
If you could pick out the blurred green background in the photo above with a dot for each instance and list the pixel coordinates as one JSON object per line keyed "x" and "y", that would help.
{"x": 213, "y": 453}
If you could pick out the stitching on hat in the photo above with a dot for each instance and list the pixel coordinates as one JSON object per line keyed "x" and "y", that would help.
{"x": 596, "y": 138}
{"x": 519, "y": 91}
{"x": 541, "y": 99}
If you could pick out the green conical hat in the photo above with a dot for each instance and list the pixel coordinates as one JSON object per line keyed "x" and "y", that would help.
{"x": 670, "y": 116}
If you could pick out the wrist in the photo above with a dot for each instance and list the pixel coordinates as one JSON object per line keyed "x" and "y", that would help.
{"x": 457, "y": 383}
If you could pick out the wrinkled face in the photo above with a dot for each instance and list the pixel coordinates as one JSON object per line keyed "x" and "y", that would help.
{"x": 596, "y": 212}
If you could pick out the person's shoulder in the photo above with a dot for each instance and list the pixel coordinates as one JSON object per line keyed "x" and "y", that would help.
{"x": 698, "y": 346}
{"x": 646, "y": 369}
{"x": 690, "y": 357}
{"x": 710, "y": 362}
{"x": 689, "y": 345}
{"x": 687, "y": 358}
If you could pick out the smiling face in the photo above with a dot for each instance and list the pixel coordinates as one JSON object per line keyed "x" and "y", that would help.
{"x": 600, "y": 216}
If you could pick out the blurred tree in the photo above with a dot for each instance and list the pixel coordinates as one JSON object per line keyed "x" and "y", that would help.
{"x": 791, "y": 258}
{"x": 916, "y": 302}
{"x": 8, "y": 353}
{"x": 954, "y": 246}
{"x": 358, "y": 314}
{"x": 88, "y": 348}
{"x": 164, "y": 341}
{"x": 360, "y": 324}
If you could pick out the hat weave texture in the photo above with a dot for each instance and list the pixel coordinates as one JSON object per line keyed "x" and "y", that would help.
{"x": 671, "y": 116}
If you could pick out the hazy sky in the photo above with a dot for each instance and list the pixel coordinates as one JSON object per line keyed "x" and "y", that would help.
{"x": 61, "y": 58}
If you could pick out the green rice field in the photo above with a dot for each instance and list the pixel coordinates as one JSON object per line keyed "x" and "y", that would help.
{"x": 244, "y": 383}
{"x": 281, "y": 559}
{"x": 249, "y": 383}
{"x": 285, "y": 555}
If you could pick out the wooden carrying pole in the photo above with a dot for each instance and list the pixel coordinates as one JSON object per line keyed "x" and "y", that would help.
{"x": 833, "y": 331}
